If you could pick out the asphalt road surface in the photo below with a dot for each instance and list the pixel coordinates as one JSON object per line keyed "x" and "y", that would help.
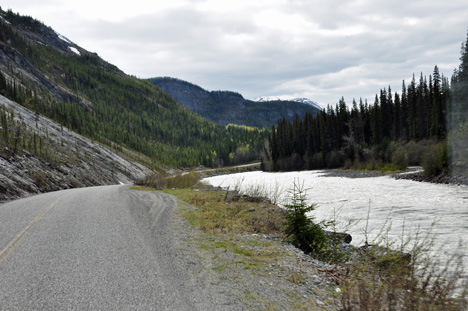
{"x": 100, "y": 248}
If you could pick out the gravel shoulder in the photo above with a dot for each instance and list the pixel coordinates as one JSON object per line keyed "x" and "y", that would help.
{"x": 255, "y": 271}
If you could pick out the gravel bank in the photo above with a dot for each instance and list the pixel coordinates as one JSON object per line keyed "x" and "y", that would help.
{"x": 439, "y": 179}
{"x": 351, "y": 173}
{"x": 413, "y": 173}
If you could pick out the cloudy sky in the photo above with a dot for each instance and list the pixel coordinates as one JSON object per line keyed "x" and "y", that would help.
{"x": 287, "y": 48}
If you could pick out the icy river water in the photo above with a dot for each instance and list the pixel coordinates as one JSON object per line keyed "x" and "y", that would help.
{"x": 404, "y": 207}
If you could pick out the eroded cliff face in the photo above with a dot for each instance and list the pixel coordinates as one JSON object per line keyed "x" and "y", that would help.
{"x": 49, "y": 157}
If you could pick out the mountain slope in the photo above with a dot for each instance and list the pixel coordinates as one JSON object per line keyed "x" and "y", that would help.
{"x": 54, "y": 77}
{"x": 224, "y": 107}
{"x": 38, "y": 155}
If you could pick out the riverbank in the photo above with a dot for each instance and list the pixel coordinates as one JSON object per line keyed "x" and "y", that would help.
{"x": 413, "y": 173}
{"x": 457, "y": 177}
{"x": 241, "y": 241}
{"x": 229, "y": 170}
{"x": 351, "y": 173}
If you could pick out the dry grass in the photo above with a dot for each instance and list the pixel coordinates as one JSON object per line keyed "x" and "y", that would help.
{"x": 168, "y": 181}
{"x": 386, "y": 280}
{"x": 218, "y": 212}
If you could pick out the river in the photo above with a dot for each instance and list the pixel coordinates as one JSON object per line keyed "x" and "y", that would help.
{"x": 376, "y": 207}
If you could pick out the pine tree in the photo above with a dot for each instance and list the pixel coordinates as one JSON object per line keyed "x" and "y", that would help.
{"x": 437, "y": 124}
{"x": 300, "y": 229}
{"x": 412, "y": 104}
{"x": 397, "y": 125}
{"x": 376, "y": 122}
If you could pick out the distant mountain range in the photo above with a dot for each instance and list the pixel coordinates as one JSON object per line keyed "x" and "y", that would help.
{"x": 226, "y": 107}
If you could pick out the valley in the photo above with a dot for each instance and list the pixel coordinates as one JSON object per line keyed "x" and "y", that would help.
{"x": 71, "y": 121}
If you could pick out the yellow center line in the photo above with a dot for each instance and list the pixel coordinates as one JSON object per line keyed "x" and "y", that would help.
{"x": 20, "y": 236}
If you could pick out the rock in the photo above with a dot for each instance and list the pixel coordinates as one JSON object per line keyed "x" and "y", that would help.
{"x": 339, "y": 236}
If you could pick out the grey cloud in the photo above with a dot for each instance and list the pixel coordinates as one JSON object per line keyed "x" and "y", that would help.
{"x": 324, "y": 60}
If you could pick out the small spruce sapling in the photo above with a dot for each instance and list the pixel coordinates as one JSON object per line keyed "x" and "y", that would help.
{"x": 300, "y": 230}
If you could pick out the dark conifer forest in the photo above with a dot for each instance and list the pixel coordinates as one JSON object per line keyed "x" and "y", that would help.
{"x": 423, "y": 124}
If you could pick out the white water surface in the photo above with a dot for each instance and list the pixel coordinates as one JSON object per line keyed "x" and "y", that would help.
{"x": 404, "y": 206}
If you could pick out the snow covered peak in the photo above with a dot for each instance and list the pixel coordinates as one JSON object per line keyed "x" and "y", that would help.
{"x": 262, "y": 99}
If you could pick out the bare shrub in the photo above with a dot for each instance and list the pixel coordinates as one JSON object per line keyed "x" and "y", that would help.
{"x": 407, "y": 279}
{"x": 435, "y": 160}
{"x": 400, "y": 158}
{"x": 165, "y": 181}
{"x": 416, "y": 151}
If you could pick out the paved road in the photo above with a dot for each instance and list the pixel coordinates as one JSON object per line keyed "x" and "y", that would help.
{"x": 100, "y": 248}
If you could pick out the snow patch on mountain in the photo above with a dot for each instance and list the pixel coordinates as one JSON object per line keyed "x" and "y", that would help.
{"x": 308, "y": 102}
{"x": 61, "y": 37}
{"x": 74, "y": 50}
{"x": 300, "y": 100}
{"x": 5, "y": 20}
{"x": 262, "y": 99}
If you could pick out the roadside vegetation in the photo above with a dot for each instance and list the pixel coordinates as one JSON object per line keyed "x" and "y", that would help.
{"x": 381, "y": 275}
{"x": 162, "y": 180}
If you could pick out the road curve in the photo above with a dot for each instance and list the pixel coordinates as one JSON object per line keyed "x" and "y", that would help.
{"x": 99, "y": 248}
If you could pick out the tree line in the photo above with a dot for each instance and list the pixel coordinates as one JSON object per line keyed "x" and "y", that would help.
{"x": 427, "y": 123}
{"x": 363, "y": 132}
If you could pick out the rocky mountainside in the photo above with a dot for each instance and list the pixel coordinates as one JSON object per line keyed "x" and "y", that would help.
{"x": 40, "y": 155}
{"x": 25, "y": 33}
{"x": 225, "y": 107}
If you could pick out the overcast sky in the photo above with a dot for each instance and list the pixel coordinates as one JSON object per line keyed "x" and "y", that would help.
{"x": 289, "y": 48}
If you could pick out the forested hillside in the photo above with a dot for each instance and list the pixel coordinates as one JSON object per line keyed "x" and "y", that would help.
{"x": 56, "y": 78}
{"x": 38, "y": 155}
{"x": 225, "y": 107}
{"x": 427, "y": 123}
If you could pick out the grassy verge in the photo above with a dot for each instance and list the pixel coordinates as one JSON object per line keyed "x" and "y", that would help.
{"x": 244, "y": 237}
{"x": 228, "y": 222}
{"x": 218, "y": 212}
